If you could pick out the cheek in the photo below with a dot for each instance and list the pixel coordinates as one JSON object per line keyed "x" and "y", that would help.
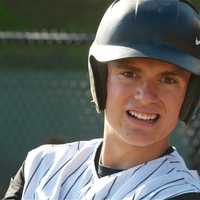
{"x": 116, "y": 94}
{"x": 173, "y": 101}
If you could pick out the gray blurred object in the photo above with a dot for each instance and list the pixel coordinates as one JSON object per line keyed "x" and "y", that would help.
{"x": 46, "y": 37}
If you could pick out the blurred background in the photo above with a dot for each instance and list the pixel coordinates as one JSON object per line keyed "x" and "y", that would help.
{"x": 44, "y": 85}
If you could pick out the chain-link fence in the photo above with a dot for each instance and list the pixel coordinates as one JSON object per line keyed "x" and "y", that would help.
{"x": 193, "y": 140}
{"x": 45, "y": 95}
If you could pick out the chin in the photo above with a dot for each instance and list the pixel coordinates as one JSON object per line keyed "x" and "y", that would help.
{"x": 141, "y": 139}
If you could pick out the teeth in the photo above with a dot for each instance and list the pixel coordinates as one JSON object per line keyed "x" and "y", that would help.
{"x": 143, "y": 116}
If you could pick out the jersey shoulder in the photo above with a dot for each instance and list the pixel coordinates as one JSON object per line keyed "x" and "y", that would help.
{"x": 50, "y": 153}
{"x": 48, "y": 149}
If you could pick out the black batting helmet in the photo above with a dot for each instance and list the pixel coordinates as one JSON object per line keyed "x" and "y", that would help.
{"x": 167, "y": 30}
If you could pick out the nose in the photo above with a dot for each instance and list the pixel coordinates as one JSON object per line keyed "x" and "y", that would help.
{"x": 146, "y": 93}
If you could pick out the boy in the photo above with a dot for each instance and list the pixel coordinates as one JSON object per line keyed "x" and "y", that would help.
{"x": 144, "y": 67}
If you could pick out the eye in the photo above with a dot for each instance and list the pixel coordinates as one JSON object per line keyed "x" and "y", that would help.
{"x": 129, "y": 74}
{"x": 168, "y": 80}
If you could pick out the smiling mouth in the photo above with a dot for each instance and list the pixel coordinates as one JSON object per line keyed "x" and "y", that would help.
{"x": 145, "y": 117}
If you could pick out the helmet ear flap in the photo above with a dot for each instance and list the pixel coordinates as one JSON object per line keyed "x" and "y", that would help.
{"x": 98, "y": 82}
{"x": 192, "y": 97}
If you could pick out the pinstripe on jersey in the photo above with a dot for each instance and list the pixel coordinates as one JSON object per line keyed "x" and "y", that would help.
{"x": 70, "y": 174}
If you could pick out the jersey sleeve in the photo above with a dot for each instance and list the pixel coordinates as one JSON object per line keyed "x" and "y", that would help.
{"x": 16, "y": 186}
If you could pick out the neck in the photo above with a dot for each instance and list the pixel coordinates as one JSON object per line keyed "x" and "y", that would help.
{"x": 118, "y": 155}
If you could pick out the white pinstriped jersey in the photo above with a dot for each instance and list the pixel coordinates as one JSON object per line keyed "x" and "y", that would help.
{"x": 58, "y": 172}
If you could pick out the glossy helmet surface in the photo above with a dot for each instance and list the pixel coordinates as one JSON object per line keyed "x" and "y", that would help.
{"x": 168, "y": 30}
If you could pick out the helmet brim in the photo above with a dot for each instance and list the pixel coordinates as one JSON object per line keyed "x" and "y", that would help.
{"x": 106, "y": 53}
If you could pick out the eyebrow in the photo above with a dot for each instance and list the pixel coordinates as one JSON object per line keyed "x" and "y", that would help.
{"x": 127, "y": 67}
{"x": 173, "y": 72}
{"x": 176, "y": 72}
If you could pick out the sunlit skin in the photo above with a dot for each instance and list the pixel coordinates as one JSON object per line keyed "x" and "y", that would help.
{"x": 150, "y": 87}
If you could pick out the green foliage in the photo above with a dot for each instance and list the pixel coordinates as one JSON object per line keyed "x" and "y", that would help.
{"x": 8, "y": 20}
{"x": 70, "y": 15}
{"x": 65, "y": 15}
{"x": 196, "y": 3}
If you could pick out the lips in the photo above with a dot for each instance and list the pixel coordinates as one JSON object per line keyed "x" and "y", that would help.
{"x": 145, "y": 117}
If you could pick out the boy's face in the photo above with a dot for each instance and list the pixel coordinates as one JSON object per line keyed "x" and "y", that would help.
{"x": 144, "y": 98}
